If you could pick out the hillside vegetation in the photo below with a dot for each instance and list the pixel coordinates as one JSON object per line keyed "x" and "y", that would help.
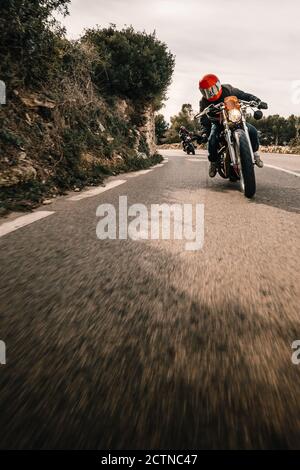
{"x": 76, "y": 110}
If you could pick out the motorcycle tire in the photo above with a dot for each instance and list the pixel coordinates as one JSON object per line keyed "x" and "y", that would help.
{"x": 247, "y": 181}
{"x": 191, "y": 149}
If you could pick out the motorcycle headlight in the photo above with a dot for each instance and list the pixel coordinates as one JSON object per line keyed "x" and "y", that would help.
{"x": 234, "y": 115}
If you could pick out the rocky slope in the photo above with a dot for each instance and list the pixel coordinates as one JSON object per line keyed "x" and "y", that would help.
{"x": 49, "y": 144}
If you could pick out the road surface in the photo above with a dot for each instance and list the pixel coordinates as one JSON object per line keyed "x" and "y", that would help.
{"x": 141, "y": 344}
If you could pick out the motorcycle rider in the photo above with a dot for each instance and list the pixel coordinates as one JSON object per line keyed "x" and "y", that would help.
{"x": 214, "y": 92}
{"x": 183, "y": 134}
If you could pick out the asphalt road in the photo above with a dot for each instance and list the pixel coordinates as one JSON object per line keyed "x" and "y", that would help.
{"x": 142, "y": 344}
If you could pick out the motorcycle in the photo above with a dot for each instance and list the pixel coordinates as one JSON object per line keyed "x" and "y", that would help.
{"x": 236, "y": 159}
{"x": 188, "y": 145}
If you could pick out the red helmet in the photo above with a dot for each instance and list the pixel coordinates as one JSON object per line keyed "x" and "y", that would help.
{"x": 210, "y": 87}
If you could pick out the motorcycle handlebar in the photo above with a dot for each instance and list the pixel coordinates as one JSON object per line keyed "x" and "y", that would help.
{"x": 220, "y": 106}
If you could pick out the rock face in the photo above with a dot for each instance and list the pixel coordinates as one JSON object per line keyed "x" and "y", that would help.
{"x": 59, "y": 146}
{"x": 149, "y": 129}
{"x": 23, "y": 172}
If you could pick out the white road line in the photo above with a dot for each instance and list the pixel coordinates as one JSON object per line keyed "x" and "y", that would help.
{"x": 282, "y": 169}
{"x": 138, "y": 173}
{"x": 266, "y": 165}
{"x": 144, "y": 172}
{"x": 96, "y": 191}
{"x": 20, "y": 222}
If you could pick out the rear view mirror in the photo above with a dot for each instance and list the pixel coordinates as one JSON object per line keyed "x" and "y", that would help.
{"x": 262, "y": 105}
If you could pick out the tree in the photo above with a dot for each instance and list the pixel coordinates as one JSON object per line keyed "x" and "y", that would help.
{"x": 131, "y": 64}
{"x": 28, "y": 38}
{"x": 183, "y": 118}
{"x": 275, "y": 129}
{"x": 161, "y": 126}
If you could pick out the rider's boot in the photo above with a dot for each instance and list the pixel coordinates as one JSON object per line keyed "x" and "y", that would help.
{"x": 258, "y": 160}
{"x": 213, "y": 167}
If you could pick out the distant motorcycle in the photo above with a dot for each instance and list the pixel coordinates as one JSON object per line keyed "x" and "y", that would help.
{"x": 188, "y": 145}
{"x": 236, "y": 159}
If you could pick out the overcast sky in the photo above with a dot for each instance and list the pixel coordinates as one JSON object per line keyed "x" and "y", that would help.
{"x": 252, "y": 44}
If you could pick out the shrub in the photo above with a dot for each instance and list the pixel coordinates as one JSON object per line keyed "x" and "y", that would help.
{"x": 161, "y": 127}
{"x": 131, "y": 64}
{"x": 29, "y": 38}
{"x": 183, "y": 118}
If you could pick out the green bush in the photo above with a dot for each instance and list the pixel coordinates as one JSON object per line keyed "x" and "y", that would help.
{"x": 29, "y": 39}
{"x": 275, "y": 129}
{"x": 131, "y": 64}
{"x": 161, "y": 127}
{"x": 183, "y": 118}
{"x": 143, "y": 146}
{"x": 8, "y": 137}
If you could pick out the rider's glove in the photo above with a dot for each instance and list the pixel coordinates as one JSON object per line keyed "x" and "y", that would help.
{"x": 262, "y": 105}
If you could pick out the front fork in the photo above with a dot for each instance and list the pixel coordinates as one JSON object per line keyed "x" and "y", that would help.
{"x": 228, "y": 136}
{"x": 248, "y": 137}
{"x": 234, "y": 157}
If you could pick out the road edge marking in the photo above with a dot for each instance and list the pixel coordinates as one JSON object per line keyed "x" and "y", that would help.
{"x": 281, "y": 169}
{"x": 96, "y": 191}
{"x": 138, "y": 173}
{"x": 19, "y": 222}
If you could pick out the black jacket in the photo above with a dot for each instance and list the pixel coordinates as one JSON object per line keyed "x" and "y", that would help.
{"x": 227, "y": 90}
{"x": 183, "y": 133}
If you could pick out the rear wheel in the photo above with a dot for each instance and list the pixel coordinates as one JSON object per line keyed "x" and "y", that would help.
{"x": 247, "y": 180}
{"x": 191, "y": 149}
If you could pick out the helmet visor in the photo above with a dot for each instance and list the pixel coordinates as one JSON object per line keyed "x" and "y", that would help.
{"x": 212, "y": 91}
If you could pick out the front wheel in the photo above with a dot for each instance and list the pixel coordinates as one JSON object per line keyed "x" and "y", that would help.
{"x": 192, "y": 149}
{"x": 247, "y": 176}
